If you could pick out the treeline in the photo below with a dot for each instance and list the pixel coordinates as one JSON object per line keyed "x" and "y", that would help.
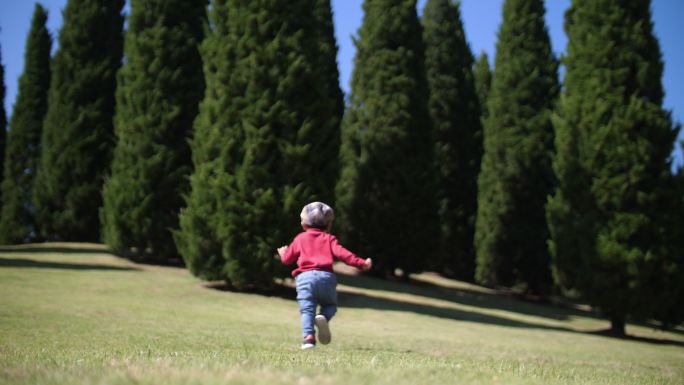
{"x": 202, "y": 130}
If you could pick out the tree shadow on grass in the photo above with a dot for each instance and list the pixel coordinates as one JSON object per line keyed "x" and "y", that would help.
{"x": 57, "y": 248}
{"x": 94, "y": 249}
{"x": 679, "y": 330}
{"x": 358, "y": 300}
{"x": 472, "y": 298}
{"x": 655, "y": 341}
{"x": 463, "y": 296}
{"x": 282, "y": 291}
{"x": 353, "y": 299}
{"x": 505, "y": 301}
{"x": 30, "y": 263}
{"x": 49, "y": 249}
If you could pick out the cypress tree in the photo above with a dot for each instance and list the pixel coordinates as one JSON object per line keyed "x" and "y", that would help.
{"x": 23, "y": 142}
{"x": 158, "y": 92}
{"x": 3, "y": 119}
{"x": 455, "y": 112}
{"x": 77, "y": 138}
{"x": 667, "y": 281}
{"x": 668, "y": 309}
{"x": 483, "y": 83}
{"x": 253, "y": 150}
{"x": 516, "y": 176}
{"x": 386, "y": 193}
{"x": 609, "y": 214}
{"x": 326, "y": 138}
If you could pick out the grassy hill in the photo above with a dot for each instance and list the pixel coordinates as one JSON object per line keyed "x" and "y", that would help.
{"x": 75, "y": 314}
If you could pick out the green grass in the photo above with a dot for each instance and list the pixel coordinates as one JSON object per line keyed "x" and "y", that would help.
{"x": 74, "y": 314}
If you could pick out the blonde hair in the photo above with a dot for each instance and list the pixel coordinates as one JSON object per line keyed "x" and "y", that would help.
{"x": 317, "y": 215}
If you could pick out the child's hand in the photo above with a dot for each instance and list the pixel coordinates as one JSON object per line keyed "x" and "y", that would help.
{"x": 367, "y": 264}
{"x": 281, "y": 251}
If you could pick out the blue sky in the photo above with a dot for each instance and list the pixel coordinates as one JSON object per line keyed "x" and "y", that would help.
{"x": 480, "y": 17}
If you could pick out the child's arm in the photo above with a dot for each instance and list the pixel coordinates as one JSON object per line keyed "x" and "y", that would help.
{"x": 289, "y": 254}
{"x": 367, "y": 264}
{"x": 348, "y": 257}
{"x": 281, "y": 251}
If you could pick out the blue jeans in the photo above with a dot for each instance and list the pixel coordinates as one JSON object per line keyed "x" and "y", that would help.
{"x": 315, "y": 288}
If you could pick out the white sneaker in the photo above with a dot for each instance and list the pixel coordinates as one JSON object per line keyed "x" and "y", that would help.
{"x": 309, "y": 342}
{"x": 323, "y": 329}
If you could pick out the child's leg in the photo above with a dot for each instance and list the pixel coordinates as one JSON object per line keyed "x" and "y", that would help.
{"x": 328, "y": 311}
{"x": 326, "y": 294}
{"x": 307, "y": 303}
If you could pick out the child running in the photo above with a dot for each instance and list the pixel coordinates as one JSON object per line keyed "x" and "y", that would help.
{"x": 313, "y": 250}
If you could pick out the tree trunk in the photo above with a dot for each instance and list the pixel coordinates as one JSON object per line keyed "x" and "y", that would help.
{"x": 617, "y": 325}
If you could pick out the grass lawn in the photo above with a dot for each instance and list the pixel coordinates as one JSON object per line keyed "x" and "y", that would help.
{"x": 74, "y": 314}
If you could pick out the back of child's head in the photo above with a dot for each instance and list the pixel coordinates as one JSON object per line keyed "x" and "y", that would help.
{"x": 317, "y": 215}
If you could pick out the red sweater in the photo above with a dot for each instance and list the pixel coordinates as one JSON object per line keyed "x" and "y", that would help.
{"x": 314, "y": 249}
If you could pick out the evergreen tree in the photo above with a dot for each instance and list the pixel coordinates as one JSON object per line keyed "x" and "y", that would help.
{"x": 516, "y": 176}
{"x": 23, "y": 142}
{"x": 386, "y": 193}
{"x": 326, "y": 139}
{"x": 667, "y": 282}
{"x": 158, "y": 92}
{"x": 455, "y": 111}
{"x": 483, "y": 83}
{"x": 78, "y": 137}
{"x": 3, "y": 120}
{"x": 257, "y": 132}
{"x": 609, "y": 214}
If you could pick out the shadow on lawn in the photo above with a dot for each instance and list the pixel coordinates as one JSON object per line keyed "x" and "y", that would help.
{"x": 48, "y": 248}
{"x": 30, "y": 263}
{"x": 655, "y": 341}
{"x": 56, "y": 249}
{"x": 470, "y": 298}
{"x": 351, "y": 299}
{"x": 53, "y": 249}
{"x": 282, "y": 291}
{"x": 463, "y": 296}
{"x": 356, "y": 300}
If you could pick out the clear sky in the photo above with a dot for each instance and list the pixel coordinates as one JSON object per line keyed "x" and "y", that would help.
{"x": 481, "y": 19}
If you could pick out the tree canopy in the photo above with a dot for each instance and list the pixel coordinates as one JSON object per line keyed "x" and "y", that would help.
{"x": 608, "y": 215}
{"x": 268, "y": 107}
{"x": 385, "y": 194}
{"x": 17, "y": 222}
{"x": 77, "y": 139}
{"x": 159, "y": 89}
{"x": 455, "y": 112}
{"x": 516, "y": 175}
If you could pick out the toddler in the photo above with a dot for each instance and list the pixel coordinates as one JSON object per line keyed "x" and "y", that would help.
{"x": 314, "y": 250}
